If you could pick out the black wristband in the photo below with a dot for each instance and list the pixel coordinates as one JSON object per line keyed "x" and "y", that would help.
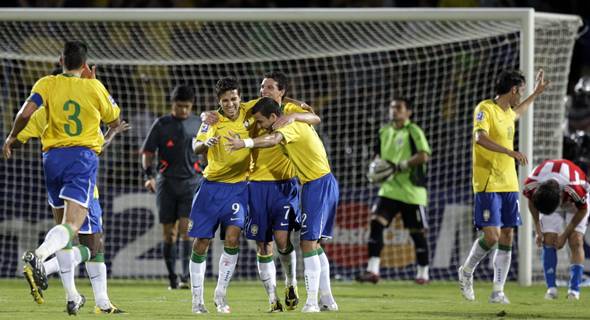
{"x": 148, "y": 173}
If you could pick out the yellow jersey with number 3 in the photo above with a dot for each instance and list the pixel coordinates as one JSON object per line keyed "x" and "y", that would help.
{"x": 75, "y": 107}
{"x": 35, "y": 128}
{"x": 494, "y": 171}
{"x": 272, "y": 164}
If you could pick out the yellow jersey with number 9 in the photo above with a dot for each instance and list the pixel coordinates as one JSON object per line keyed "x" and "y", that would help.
{"x": 75, "y": 107}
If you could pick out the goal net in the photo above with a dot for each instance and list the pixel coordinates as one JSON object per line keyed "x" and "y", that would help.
{"x": 347, "y": 69}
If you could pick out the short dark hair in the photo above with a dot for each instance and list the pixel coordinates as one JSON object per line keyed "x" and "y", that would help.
{"x": 182, "y": 93}
{"x": 409, "y": 103}
{"x": 74, "y": 54}
{"x": 267, "y": 106}
{"x": 547, "y": 196}
{"x": 226, "y": 84}
{"x": 508, "y": 79}
{"x": 281, "y": 79}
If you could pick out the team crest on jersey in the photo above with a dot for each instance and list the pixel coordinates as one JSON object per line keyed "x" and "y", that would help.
{"x": 205, "y": 128}
{"x": 399, "y": 141}
{"x": 486, "y": 215}
{"x": 254, "y": 229}
{"x": 479, "y": 116}
{"x": 112, "y": 101}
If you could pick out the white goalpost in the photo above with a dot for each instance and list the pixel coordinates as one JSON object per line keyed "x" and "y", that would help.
{"x": 347, "y": 63}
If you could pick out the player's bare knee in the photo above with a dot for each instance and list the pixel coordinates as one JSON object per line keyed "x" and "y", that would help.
{"x": 264, "y": 248}
{"x": 200, "y": 246}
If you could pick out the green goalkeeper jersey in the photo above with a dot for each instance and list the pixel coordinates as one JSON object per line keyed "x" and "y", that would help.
{"x": 395, "y": 146}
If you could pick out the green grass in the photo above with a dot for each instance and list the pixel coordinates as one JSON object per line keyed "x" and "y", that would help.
{"x": 387, "y": 300}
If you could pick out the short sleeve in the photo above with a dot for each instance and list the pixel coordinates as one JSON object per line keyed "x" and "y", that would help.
{"x": 289, "y": 133}
{"x": 205, "y": 132}
{"x": 40, "y": 91}
{"x": 35, "y": 126}
{"x": 419, "y": 139}
{"x": 293, "y": 108}
{"x": 481, "y": 119}
{"x": 108, "y": 108}
{"x": 150, "y": 144}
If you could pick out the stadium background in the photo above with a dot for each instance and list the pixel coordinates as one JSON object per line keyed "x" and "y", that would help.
{"x": 142, "y": 92}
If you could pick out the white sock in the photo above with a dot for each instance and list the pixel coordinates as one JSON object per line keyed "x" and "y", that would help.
{"x": 502, "y": 259}
{"x": 227, "y": 265}
{"x": 55, "y": 239}
{"x": 51, "y": 266}
{"x": 422, "y": 272}
{"x": 325, "y": 287}
{"x": 289, "y": 267}
{"x": 65, "y": 259}
{"x": 268, "y": 274}
{"x": 312, "y": 270}
{"x": 476, "y": 254}
{"x": 97, "y": 272}
{"x": 373, "y": 265}
{"x": 197, "y": 271}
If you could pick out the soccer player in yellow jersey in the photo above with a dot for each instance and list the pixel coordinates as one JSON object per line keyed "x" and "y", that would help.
{"x": 495, "y": 182}
{"x": 274, "y": 198}
{"x": 91, "y": 248}
{"x": 71, "y": 143}
{"x": 222, "y": 198}
{"x": 319, "y": 197}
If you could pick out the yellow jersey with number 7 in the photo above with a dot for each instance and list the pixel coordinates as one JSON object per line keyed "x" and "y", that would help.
{"x": 75, "y": 107}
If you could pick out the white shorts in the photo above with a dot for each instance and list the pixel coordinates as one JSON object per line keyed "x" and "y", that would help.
{"x": 555, "y": 222}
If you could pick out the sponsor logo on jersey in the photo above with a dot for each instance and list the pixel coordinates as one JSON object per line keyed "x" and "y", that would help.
{"x": 205, "y": 128}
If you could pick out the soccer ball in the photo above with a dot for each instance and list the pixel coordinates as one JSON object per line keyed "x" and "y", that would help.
{"x": 379, "y": 171}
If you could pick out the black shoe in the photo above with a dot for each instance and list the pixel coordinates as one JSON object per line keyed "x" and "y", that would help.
{"x": 367, "y": 276}
{"x": 173, "y": 280}
{"x": 73, "y": 307}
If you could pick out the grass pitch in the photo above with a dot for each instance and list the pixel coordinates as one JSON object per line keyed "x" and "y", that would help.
{"x": 387, "y": 300}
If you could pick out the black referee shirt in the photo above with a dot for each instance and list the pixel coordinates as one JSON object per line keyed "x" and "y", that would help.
{"x": 172, "y": 139}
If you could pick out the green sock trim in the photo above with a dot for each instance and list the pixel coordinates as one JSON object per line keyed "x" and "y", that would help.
{"x": 84, "y": 252}
{"x": 70, "y": 245}
{"x": 70, "y": 231}
{"x": 310, "y": 254}
{"x": 288, "y": 250}
{"x": 264, "y": 259}
{"x": 231, "y": 251}
{"x": 504, "y": 247}
{"x": 320, "y": 251}
{"x": 197, "y": 258}
{"x": 483, "y": 245}
{"x": 99, "y": 257}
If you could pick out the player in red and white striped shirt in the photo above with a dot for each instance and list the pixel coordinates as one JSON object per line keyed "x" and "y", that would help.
{"x": 559, "y": 191}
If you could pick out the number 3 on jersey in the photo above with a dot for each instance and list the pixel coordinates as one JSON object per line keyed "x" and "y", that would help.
{"x": 74, "y": 127}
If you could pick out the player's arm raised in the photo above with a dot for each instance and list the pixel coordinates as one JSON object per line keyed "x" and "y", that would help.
{"x": 540, "y": 85}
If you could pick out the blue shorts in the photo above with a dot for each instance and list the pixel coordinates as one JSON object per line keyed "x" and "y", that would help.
{"x": 93, "y": 222}
{"x": 273, "y": 205}
{"x": 319, "y": 201}
{"x": 70, "y": 174}
{"x": 496, "y": 209}
{"x": 218, "y": 203}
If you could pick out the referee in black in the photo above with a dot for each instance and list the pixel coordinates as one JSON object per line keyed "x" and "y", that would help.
{"x": 176, "y": 178}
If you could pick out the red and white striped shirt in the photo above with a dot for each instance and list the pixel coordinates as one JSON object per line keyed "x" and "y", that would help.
{"x": 571, "y": 179}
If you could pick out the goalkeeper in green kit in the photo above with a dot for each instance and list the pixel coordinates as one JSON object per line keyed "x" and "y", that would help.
{"x": 400, "y": 166}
